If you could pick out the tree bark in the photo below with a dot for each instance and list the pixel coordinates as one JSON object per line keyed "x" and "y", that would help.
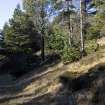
{"x": 69, "y": 3}
{"x": 42, "y": 49}
{"x": 81, "y": 29}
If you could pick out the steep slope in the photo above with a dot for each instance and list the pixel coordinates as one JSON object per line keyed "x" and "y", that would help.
{"x": 46, "y": 89}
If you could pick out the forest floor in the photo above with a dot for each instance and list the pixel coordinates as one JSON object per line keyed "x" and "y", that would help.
{"x": 47, "y": 88}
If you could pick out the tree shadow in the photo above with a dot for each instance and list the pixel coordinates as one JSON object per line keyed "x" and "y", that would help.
{"x": 21, "y": 83}
{"x": 45, "y": 99}
{"x": 88, "y": 88}
{"x": 21, "y": 64}
{"x": 90, "y": 85}
{"x": 78, "y": 82}
{"x": 6, "y": 99}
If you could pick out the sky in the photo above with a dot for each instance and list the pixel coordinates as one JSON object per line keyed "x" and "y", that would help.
{"x": 6, "y": 10}
{"x": 7, "y": 7}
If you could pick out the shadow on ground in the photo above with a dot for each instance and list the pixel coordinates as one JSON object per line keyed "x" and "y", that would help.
{"x": 87, "y": 89}
{"x": 15, "y": 75}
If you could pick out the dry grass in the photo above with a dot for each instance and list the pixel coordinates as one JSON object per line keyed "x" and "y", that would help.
{"x": 88, "y": 62}
{"x": 47, "y": 82}
{"x": 101, "y": 41}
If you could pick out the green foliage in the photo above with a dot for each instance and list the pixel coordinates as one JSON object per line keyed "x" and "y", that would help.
{"x": 93, "y": 33}
{"x": 37, "y": 13}
{"x": 97, "y": 23}
{"x": 29, "y": 6}
{"x": 20, "y": 33}
{"x": 59, "y": 42}
{"x": 70, "y": 55}
{"x": 91, "y": 46}
{"x": 57, "y": 39}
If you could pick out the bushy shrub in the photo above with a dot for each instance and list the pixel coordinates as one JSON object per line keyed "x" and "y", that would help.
{"x": 59, "y": 43}
{"x": 70, "y": 55}
{"x": 91, "y": 46}
{"x": 92, "y": 33}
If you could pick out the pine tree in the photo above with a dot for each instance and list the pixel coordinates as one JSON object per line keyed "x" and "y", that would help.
{"x": 20, "y": 33}
{"x": 39, "y": 17}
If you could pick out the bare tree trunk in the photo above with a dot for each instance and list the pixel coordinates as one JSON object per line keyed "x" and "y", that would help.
{"x": 69, "y": 3}
{"x": 81, "y": 29}
{"x": 69, "y": 26}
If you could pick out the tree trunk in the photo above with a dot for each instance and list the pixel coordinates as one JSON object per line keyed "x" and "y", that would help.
{"x": 42, "y": 49}
{"x": 69, "y": 26}
{"x": 69, "y": 3}
{"x": 81, "y": 29}
{"x": 42, "y": 33}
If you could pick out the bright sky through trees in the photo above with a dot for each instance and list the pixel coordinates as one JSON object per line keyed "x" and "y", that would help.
{"x": 6, "y": 10}
{"x": 7, "y": 7}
